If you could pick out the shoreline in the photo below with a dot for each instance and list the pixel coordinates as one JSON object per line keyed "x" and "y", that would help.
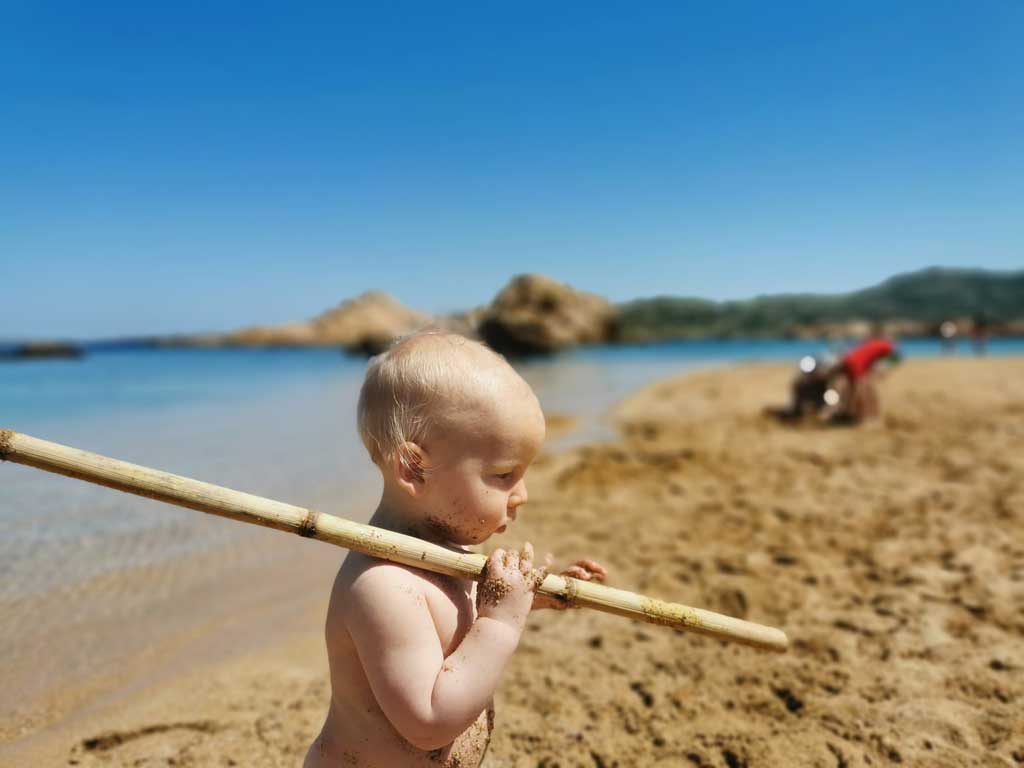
{"x": 252, "y": 607}
{"x": 886, "y": 552}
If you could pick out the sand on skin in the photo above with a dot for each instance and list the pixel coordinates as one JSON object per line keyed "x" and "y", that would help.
{"x": 893, "y": 555}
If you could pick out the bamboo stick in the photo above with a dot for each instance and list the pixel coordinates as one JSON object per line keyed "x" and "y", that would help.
{"x": 376, "y": 542}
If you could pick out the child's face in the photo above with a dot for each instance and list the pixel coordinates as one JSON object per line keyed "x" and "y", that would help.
{"x": 475, "y": 474}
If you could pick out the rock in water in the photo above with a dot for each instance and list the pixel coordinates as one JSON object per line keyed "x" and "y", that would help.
{"x": 536, "y": 314}
{"x": 42, "y": 350}
{"x": 366, "y": 324}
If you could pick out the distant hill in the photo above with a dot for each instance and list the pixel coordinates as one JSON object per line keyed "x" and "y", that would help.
{"x": 533, "y": 308}
{"x": 917, "y": 302}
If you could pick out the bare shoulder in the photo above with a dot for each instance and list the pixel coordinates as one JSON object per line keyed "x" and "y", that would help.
{"x": 368, "y": 581}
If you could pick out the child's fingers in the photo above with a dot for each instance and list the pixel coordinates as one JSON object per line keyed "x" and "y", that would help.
{"x": 526, "y": 558}
{"x": 511, "y": 559}
{"x": 577, "y": 572}
{"x": 537, "y": 576}
{"x": 599, "y": 572}
{"x": 497, "y": 563}
{"x": 528, "y": 551}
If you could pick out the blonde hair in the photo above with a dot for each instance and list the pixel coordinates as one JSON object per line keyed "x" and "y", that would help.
{"x": 405, "y": 385}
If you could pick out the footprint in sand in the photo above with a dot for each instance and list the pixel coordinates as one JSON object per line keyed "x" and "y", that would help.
{"x": 136, "y": 748}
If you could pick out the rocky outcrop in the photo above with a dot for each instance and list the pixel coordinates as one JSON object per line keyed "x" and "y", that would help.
{"x": 42, "y": 350}
{"x": 532, "y": 314}
{"x": 365, "y": 324}
{"x": 288, "y": 335}
{"x": 536, "y": 314}
{"x": 464, "y": 323}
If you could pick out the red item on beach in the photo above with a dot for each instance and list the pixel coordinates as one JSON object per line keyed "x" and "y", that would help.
{"x": 858, "y": 361}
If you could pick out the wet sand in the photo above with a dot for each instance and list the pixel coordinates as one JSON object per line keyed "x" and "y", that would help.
{"x": 892, "y": 554}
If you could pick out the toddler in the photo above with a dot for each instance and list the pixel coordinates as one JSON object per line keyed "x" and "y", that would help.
{"x": 415, "y": 657}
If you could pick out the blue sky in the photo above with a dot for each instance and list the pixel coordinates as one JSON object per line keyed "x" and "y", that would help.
{"x": 200, "y": 166}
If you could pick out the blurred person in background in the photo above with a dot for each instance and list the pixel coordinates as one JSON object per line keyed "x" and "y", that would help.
{"x": 856, "y": 376}
{"x": 979, "y": 333}
{"x": 811, "y": 393}
{"x": 839, "y": 390}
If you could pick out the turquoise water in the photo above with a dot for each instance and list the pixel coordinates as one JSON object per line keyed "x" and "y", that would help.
{"x": 116, "y": 383}
{"x": 127, "y": 381}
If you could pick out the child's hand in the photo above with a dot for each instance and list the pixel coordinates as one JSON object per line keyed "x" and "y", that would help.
{"x": 506, "y": 592}
{"x": 585, "y": 570}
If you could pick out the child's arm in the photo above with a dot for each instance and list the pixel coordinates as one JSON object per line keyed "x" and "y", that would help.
{"x": 430, "y": 700}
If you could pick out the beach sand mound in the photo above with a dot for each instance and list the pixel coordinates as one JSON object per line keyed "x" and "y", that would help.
{"x": 891, "y": 554}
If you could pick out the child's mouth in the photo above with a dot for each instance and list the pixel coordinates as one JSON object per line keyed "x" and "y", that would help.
{"x": 502, "y": 528}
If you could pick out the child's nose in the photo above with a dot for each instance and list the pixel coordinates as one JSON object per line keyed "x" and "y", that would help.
{"x": 518, "y": 497}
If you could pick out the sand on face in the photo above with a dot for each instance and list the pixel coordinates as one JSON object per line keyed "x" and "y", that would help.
{"x": 892, "y": 554}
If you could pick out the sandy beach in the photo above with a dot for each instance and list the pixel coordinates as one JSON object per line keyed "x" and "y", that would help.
{"x": 892, "y": 554}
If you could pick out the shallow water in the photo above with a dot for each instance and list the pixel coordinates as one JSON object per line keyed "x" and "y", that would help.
{"x": 76, "y": 558}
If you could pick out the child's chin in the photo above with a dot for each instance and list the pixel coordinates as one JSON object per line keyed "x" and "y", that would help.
{"x": 470, "y": 540}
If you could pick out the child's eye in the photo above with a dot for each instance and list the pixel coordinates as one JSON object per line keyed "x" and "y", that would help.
{"x": 505, "y": 475}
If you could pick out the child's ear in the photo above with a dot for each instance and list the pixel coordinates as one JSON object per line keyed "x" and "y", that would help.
{"x": 409, "y": 463}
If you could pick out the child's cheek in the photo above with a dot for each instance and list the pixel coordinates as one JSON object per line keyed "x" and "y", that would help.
{"x": 488, "y": 509}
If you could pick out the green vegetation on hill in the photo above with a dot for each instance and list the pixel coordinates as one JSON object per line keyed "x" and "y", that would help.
{"x": 924, "y": 298}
